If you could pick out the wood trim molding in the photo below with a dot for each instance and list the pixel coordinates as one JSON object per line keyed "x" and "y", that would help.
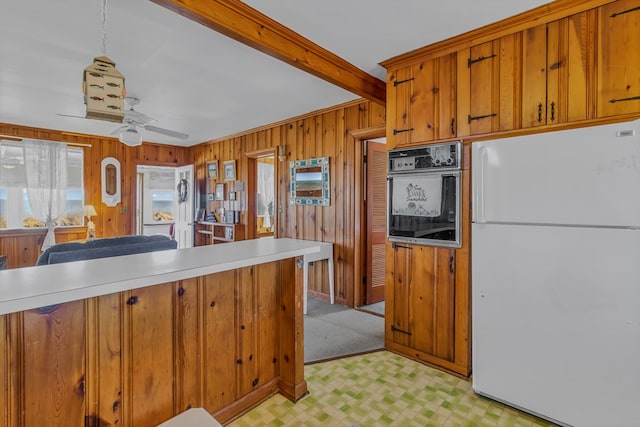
{"x": 369, "y": 133}
{"x": 540, "y": 15}
{"x": 242, "y": 23}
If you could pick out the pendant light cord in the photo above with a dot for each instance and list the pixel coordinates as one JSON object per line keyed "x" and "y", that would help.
{"x": 104, "y": 27}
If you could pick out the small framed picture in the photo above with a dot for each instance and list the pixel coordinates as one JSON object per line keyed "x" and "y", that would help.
{"x": 212, "y": 170}
{"x": 232, "y": 195}
{"x": 219, "y": 194}
{"x": 230, "y": 170}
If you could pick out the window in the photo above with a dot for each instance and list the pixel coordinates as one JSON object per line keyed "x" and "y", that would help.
{"x": 15, "y": 211}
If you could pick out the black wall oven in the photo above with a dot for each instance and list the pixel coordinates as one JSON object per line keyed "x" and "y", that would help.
{"x": 423, "y": 195}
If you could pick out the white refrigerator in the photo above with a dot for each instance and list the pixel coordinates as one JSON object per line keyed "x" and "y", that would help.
{"x": 556, "y": 274}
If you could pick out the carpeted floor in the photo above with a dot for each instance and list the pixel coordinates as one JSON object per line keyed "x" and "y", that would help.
{"x": 375, "y": 308}
{"x": 332, "y": 331}
{"x": 384, "y": 389}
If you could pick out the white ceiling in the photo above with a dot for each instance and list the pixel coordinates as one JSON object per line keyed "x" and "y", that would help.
{"x": 194, "y": 80}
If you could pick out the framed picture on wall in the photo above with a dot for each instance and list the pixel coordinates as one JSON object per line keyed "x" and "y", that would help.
{"x": 219, "y": 194}
{"x": 230, "y": 170}
{"x": 212, "y": 170}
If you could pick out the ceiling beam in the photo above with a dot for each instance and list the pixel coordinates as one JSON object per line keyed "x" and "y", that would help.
{"x": 241, "y": 22}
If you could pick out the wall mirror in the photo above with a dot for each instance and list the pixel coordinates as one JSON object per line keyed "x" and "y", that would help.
{"x": 110, "y": 181}
{"x": 310, "y": 182}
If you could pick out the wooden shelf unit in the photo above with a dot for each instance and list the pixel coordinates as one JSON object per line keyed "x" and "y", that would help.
{"x": 209, "y": 233}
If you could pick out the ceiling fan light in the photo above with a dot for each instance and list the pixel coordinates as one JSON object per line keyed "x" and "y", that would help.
{"x": 130, "y": 136}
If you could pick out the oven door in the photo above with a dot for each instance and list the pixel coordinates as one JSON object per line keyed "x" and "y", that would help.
{"x": 424, "y": 208}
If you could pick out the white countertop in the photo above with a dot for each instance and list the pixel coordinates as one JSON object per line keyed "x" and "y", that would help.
{"x": 33, "y": 287}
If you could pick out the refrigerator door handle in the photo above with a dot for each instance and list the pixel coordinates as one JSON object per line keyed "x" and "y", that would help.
{"x": 479, "y": 188}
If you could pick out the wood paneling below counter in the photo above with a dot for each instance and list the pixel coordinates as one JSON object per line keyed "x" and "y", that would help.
{"x": 224, "y": 340}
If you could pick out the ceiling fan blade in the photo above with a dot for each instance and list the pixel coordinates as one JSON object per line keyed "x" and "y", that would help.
{"x": 120, "y": 129}
{"x": 167, "y": 132}
{"x": 137, "y": 117}
{"x": 69, "y": 115}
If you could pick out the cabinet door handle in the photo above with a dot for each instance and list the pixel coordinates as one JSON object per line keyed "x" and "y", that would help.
{"x": 396, "y": 246}
{"x": 471, "y": 118}
{"x": 633, "y": 98}
{"x": 540, "y": 112}
{"x": 397, "y": 131}
{"x": 634, "y": 9}
{"x": 394, "y": 329}
{"x": 453, "y": 126}
{"x": 399, "y": 82}
{"x": 553, "y": 111}
{"x": 452, "y": 264}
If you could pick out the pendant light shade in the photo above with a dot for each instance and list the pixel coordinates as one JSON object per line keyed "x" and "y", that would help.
{"x": 130, "y": 136}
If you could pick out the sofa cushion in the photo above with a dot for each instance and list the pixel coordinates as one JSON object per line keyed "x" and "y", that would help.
{"x": 107, "y": 247}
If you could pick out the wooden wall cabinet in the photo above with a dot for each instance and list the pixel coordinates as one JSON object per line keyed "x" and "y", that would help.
{"x": 557, "y": 71}
{"x": 618, "y": 62}
{"x": 421, "y": 102}
{"x": 421, "y": 316}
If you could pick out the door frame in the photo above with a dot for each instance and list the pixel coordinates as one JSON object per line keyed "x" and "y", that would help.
{"x": 360, "y": 268}
{"x": 252, "y": 161}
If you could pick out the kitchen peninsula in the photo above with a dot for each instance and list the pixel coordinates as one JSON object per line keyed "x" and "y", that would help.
{"x": 134, "y": 340}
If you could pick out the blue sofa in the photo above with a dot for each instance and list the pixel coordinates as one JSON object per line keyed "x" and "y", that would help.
{"x": 103, "y": 248}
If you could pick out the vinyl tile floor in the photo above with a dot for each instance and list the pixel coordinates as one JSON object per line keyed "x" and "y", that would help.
{"x": 384, "y": 389}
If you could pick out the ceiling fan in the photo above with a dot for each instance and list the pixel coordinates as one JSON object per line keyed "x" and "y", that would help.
{"x": 133, "y": 120}
{"x": 128, "y": 133}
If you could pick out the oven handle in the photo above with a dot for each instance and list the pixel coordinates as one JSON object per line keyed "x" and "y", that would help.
{"x": 479, "y": 194}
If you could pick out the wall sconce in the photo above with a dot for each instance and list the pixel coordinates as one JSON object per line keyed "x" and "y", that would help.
{"x": 89, "y": 211}
{"x": 282, "y": 153}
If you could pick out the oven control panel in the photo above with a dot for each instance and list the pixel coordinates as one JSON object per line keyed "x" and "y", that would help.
{"x": 431, "y": 157}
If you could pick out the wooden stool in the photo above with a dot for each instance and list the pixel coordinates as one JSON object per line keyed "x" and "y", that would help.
{"x": 194, "y": 417}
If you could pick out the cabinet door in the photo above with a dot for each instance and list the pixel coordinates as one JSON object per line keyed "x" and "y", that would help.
{"x": 489, "y": 102}
{"x": 422, "y": 312}
{"x": 534, "y": 76}
{"x": 399, "y": 106}
{"x": 618, "y": 60}
{"x": 570, "y": 65}
{"x": 422, "y": 102}
{"x": 446, "y": 109}
{"x": 557, "y": 61}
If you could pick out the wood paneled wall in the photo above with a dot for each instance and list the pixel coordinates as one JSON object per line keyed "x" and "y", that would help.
{"x": 325, "y": 133}
{"x": 23, "y": 247}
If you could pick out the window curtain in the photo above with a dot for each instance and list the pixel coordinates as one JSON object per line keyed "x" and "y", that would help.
{"x": 46, "y": 166}
{"x": 266, "y": 189}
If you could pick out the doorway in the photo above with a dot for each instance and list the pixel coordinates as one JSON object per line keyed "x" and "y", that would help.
{"x": 164, "y": 202}
{"x": 265, "y": 196}
{"x": 370, "y": 247}
{"x": 262, "y": 194}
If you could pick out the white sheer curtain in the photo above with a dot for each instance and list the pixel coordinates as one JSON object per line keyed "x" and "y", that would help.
{"x": 266, "y": 189}
{"x": 46, "y": 166}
